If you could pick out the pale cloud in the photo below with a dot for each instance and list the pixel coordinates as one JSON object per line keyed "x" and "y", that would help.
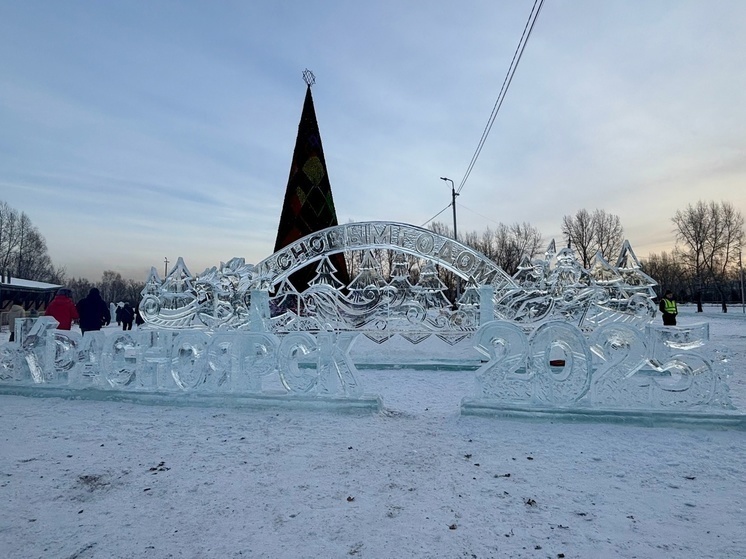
{"x": 131, "y": 133}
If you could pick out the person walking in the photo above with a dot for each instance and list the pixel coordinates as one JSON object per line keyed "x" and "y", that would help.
{"x": 668, "y": 309}
{"x": 16, "y": 311}
{"x": 62, "y": 309}
{"x": 139, "y": 320}
{"x": 93, "y": 311}
{"x": 127, "y": 315}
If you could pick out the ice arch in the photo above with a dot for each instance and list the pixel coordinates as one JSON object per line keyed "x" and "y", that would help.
{"x": 458, "y": 258}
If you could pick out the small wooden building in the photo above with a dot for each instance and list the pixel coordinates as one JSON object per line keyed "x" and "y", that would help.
{"x": 33, "y": 295}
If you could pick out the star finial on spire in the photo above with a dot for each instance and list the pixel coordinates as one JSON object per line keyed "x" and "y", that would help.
{"x": 308, "y": 77}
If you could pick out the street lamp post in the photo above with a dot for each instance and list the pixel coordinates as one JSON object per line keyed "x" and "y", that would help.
{"x": 453, "y": 203}
{"x": 740, "y": 267}
{"x": 455, "y": 232}
{"x": 165, "y": 266}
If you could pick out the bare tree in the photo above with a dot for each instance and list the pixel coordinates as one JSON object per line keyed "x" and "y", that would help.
{"x": 578, "y": 230}
{"x": 133, "y": 291}
{"x": 32, "y": 259}
{"x": 729, "y": 240}
{"x": 608, "y": 233}
{"x": 507, "y": 252}
{"x": 80, "y": 288}
{"x": 23, "y": 249}
{"x": 507, "y": 244}
{"x": 528, "y": 238}
{"x": 590, "y": 232}
{"x": 112, "y": 287}
{"x": 693, "y": 229}
{"x": 709, "y": 236}
{"x": 8, "y": 235}
{"x": 665, "y": 269}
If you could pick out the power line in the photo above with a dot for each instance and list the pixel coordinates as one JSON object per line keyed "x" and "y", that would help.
{"x": 506, "y": 84}
{"x": 436, "y": 215}
{"x": 460, "y": 205}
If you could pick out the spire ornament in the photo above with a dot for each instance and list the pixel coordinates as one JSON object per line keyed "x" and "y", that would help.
{"x": 308, "y": 77}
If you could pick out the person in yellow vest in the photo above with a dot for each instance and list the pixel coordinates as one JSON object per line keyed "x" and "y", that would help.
{"x": 668, "y": 309}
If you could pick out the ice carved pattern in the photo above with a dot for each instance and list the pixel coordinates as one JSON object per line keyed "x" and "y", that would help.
{"x": 690, "y": 372}
{"x": 336, "y": 371}
{"x": 297, "y": 353}
{"x": 155, "y": 349}
{"x": 505, "y": 376}
{"x": 120, "y": 360}
{"x": 32, "y": 335}
{"x": 65, "y": 350}
{"x": 10, "y": 367}
{"x": 220, "y": 361}
{"x": 90, "y": 353}
{"x": 613, "y": 370}
{"x": 620, "y": 351}
{"x": 235, "y": 325}
{"x": 189, "y": 363}
{"x": 256, "y": 358}
{"x": 378, "y": 303}
{"x": 561, "y": 363}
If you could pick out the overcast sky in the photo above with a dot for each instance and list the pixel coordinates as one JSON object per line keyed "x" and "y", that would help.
{"x": 133, "y": 131}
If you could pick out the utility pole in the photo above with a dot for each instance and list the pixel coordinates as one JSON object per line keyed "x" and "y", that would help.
{"x": 455, "y": 232}
{"x": 453, "y": 203}
{"x": 740, "y": 267}
{"x": 165, "y": 267}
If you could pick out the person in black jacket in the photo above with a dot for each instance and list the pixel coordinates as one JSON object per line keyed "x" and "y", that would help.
{"x": 93, "y": 311}
{"x": 138, "y": 317}
{"x": 127, "y": 315}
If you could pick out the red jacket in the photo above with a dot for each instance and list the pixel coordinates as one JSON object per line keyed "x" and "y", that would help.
{"x": 63, "y": 310}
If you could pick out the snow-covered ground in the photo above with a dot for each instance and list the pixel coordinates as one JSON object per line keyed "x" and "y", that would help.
{"x": 84, "y": 479}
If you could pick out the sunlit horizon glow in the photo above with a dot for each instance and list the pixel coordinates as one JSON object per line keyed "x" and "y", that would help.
{"x": 136, "y": 132}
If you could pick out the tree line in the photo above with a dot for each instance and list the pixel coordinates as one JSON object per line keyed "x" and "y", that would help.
{"x": 24, "y": 254}
{"x": 113, "y": 288}
{"x": 23, "y": 249}
{"x": 587, "y": 232}
{"x": 704, "y": 264}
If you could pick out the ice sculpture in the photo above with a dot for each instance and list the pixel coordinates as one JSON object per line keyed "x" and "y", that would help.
{"x": 258, "y": 368}
{"x": 382, "y": 303}
{"x": 554, "y": 339}
{"x": 658, "y": 375}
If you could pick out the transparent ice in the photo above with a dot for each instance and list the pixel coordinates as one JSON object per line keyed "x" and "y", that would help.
{"x": 554, "y": 337}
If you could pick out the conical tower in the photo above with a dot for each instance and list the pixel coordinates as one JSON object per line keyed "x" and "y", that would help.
{"x": 308, "y": 205}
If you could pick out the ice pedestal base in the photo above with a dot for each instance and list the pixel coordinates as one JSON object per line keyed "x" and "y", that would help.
{"x": 646, "y": 418}
{"x": 368, "y": 403}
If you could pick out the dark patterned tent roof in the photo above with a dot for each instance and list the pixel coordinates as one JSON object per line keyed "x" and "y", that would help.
{"x": 308, "y": 205}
